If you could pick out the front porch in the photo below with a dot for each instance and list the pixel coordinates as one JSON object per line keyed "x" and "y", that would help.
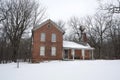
{"x": 72, "y": 50}
{"x": 71, "y": 54}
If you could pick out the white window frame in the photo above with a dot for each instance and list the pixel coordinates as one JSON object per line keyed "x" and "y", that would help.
{"x": 42, "y": 50}
{"x": 42, "y": 37}
{"x": 53, "y": 51}
{"x": 53, "y": 38}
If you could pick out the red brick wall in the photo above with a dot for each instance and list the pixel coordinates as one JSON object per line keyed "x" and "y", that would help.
{"x": 78, "y": 54}
{"x": 87, "y": 54}
{"x": 48, "y": 43}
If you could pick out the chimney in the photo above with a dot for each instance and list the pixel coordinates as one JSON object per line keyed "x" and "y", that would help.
{"x": 84, "y": 38}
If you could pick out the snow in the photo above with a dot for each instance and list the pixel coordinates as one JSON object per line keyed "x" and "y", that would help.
{"x": 62, "y": 70}
{"x": 73, "y": 45}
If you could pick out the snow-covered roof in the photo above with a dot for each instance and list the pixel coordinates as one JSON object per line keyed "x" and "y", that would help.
{"x": 73, "y": 45}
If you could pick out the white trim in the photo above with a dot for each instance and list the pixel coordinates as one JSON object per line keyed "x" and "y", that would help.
{"x": 48, "y": 21}
{"x": 53, "y": 37}
{"x": 42, "y": 37}
{"x": 42, "y": 50}
{"x": 53, "y": 51}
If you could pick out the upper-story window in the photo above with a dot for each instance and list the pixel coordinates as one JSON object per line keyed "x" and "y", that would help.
{"x": 42, "y": 37}
{"x": 53, "y": 38}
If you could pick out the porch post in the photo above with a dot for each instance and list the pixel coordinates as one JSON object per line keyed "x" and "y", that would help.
{"x": 63, "y": 54}
{"x": 73, "y": 53}
{"x": 83, "y": 54}
{"x": 92, "y": 54}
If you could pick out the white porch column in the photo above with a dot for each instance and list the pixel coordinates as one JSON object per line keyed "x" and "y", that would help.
{"x": 63, "y": 54}
{"x": 83, "y": 54}
{"x": 92, "y": 55}
{"x": 73, "y": 53}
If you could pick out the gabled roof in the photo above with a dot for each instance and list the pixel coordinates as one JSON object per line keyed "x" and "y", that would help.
{"x": 73, "y": 45}
{"x": 48, "y": 21}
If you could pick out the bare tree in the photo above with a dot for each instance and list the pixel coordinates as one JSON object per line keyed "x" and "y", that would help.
{"x": 97, "y": 31}
{"x": 114, "y": 36}
{"x": 77, "y": 28}
{"x": 61, "y": 24}
{"x": 113, "y": 10}
{"x": 17, "y": 17}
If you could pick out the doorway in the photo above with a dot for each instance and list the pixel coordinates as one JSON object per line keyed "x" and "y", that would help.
{"x": 66, "y": 54}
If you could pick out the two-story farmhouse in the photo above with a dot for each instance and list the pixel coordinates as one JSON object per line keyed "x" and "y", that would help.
{"x": 48, "y": 44}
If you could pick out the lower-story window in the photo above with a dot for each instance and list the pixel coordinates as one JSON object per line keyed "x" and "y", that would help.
{"x": 53, "y": 51}
{"x": 42, "y": 51}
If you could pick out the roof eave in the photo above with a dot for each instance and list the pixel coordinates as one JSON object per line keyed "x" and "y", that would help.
{"x": 78, "y": 48}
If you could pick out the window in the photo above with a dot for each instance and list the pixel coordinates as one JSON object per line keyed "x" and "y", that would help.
{"x": 53, "y": 51}
{"x": 48, "y": 25}
{"x": 42, "y": 50}
{"x": 53, "y": 37}
{"x": 42, "y": 36}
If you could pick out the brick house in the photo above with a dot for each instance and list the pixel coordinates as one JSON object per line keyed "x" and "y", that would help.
{"x": 48, "y": 44}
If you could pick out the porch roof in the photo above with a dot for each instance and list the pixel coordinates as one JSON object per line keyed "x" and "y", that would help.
{"x": 73, "y": 45}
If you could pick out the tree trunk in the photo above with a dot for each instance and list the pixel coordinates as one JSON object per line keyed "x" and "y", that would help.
{"x": 15, "y": 51}
{"x": 14, "y": 56}
{"x": 99, "y": 52}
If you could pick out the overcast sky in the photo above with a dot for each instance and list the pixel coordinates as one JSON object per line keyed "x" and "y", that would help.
{"x": 64, "y": 9}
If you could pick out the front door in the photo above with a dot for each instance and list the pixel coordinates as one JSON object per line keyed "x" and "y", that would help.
{"x": 66, "y": 54}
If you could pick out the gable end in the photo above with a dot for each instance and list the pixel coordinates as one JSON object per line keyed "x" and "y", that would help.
{"x": 48, "y": 21}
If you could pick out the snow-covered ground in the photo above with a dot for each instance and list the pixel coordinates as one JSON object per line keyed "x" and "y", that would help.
{"x": 62, "y": 70}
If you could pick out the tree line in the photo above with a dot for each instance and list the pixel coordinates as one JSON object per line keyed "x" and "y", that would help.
{"x": 103, "y": 33}
{"x": 18, "y": 17}
{"x": 102, "y": 29}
